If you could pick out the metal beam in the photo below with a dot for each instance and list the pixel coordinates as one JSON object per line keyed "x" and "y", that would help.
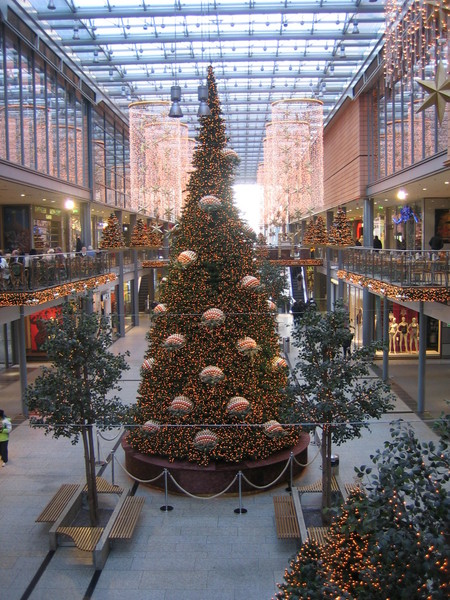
{"x": 114, "y": 40}
{"x": 229, "y": 57}
{"x": 338, "y": 77}
{"x": 200, "y": 10}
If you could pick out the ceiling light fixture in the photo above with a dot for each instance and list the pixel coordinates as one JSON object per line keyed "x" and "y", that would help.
{"x": 175, "y": 111}
{"x": 175, "y": 96}
{"x": 203, "y": 109}
{"x": 51, "y": 5}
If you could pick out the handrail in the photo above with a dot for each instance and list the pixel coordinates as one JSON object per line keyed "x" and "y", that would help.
{"x": 403, "y": 268}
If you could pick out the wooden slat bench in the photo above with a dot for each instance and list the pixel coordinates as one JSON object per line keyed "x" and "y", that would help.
{"x": 317, "y": 486}
{"x": 285, "y": 517}
{"x": 85, "y": 538}
{"x": 121, "y": 526}
{"x": 127, "y": 518}
{"x": 354, "y": 487}
{"x": 318, "y": 534}
{"x": 104, "y": 487}
{"x": 58, "y": 503}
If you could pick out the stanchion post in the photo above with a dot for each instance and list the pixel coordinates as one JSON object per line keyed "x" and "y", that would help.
{"x": 99, "y": 462}
{"x": 112, "y": 466}
{"x": 240, "y": 510}
{"x": 291, "y": 472}
{"x": 166, "y": 506}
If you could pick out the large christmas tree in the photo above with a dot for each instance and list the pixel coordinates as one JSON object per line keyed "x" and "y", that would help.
{"x": 212, "y": 379}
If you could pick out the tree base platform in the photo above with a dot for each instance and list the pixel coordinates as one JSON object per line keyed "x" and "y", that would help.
{"x": 215, "y": 477}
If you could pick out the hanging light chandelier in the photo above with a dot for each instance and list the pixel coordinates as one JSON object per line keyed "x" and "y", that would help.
{"x": 293, "y": 161}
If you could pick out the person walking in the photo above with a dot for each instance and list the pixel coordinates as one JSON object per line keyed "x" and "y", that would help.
{"x": 6, "y": 427}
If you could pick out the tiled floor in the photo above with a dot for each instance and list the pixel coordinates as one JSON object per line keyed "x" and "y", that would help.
{"x": 201, "y": 549}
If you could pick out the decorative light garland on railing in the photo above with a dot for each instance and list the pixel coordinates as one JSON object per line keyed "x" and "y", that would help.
{"x": 297, "y": 262}
{"x": 155, "y": 263}
{"x": 394, "y": 292}
{"x": 34, "y": 298}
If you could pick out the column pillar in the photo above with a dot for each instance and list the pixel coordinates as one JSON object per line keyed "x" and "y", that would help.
{"x": 385, "y": 339}
{"x": 368, "y": 303}
{"x": 85, "y": 218}
{"x": 23, "y": 361}
{"x": 120, "y": 287}
{"x": 422, "y": 360}
{"x": 368, "y": 222}
{"x": 135, "y": 289}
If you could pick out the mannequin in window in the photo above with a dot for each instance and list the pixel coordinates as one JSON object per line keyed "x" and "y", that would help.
{"x": 413, "y": 330}
{"x": 392, "y": 335}
{"x": 403, "y": 335}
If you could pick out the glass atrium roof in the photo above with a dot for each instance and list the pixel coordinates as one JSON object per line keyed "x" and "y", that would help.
{"x": 261, "y": 50}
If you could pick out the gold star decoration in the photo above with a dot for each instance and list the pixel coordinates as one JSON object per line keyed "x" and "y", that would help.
{"x": 439, "y": 92}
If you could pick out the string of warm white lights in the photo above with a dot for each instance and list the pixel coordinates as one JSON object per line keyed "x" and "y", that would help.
{"x": 49, "y": 294}
{"x": 411, "y": 294}
{"x": 160, "y": 159}
{"x": 413, "y": 35}
{"x": 292, "y": 174}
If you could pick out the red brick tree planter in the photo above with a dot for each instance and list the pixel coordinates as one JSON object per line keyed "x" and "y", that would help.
{"x": 215, "y": 477}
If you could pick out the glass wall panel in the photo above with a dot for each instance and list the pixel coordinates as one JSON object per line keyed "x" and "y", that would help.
{"x": 403, "y": 136}
{"x": 382, "y": 134}
{"x": 28, "y": 110}
{"x": 41, "y": 116}
{"x": 110, "y": 164}
{"x": 2, "y": 99}
{"x": 119, "y": 155}
{"x": 14, "y": 153}
{"x": 72, "y": 151}
{"x": 81, "y": 141}
{"x": 63, "y": 148}
{"x": 52, "y": 116}
{"x": 99, "y": 157}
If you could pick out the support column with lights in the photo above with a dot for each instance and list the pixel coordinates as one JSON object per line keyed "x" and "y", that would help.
{"x": 120, "y": 288}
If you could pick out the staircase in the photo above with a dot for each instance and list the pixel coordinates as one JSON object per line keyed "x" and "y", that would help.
{"x": 143, "y": 293}
{"x": 299, "y": 283}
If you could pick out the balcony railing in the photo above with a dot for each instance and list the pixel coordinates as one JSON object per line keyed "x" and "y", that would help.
{"x": 402, "y": 268}
{"x": 38, "y": 272}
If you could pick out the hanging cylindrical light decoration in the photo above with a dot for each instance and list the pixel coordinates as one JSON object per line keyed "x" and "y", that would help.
{"x": 293, "y": 162}
{"x": 156, "y": 164}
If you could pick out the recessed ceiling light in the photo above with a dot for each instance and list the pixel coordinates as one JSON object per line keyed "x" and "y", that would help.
{"x": 22, "y": 195}
{"x": 401, "y": 194}
{"x": 44, "y": 199}
{"x": 386, "y": 200}
{"x": 53, "y": 201}
{"x": 446, "y": 182}
{"x": 424, "y": 189}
